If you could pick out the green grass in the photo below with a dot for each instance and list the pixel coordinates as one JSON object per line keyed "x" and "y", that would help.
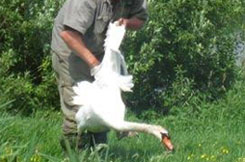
{"x": 213, "y": 132}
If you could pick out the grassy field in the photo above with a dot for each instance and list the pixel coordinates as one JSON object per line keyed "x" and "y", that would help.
{"x": 213, "y": 132}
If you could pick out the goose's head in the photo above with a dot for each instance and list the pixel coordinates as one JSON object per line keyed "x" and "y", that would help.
{"x": 167, "y": 141}
{"x": 163, "y": 135}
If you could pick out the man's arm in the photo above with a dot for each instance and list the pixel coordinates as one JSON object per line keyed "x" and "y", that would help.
{"x": 73, "y": 39}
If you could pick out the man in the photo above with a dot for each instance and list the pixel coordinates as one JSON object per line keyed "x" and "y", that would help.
{"x": 77, "y": 48}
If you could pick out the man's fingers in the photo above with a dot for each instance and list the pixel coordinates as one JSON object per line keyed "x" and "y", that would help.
{"x": 120, "y": 21}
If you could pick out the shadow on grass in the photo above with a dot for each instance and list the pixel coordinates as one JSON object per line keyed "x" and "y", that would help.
{"x": 135, "y": 154}
{"x": 138, "y": 150}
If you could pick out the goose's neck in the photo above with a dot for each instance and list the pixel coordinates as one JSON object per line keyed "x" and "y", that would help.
{"x": 141, "y": 127}
{"x": 111, "y": 61}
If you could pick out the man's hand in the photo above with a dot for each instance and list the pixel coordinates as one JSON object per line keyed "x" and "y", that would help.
{"x": 132, "y": 23}
{"x": 122, "y": 21}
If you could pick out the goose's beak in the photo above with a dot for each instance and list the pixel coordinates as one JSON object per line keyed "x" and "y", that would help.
{"x": 167, "y": 142}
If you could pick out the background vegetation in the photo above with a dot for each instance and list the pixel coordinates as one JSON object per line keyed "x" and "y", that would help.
{"x": 183, "y": 63}
{"x": 26, "y": 74}
{"x": 186, "y": 48}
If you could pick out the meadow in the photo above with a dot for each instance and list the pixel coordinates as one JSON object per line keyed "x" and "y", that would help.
{"x": 203, "y": 132}
{"x": 186, "y": 49}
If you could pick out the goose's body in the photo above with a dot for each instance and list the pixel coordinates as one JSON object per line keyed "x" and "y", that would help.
{"x": 101, "y": 104}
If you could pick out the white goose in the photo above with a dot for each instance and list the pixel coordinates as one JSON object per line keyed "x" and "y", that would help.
{"x": 101, "y": 105}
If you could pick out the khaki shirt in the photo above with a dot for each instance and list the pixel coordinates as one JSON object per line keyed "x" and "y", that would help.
{"x": 91, "y": 18}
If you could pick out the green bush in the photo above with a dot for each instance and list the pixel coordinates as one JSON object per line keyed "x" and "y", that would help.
{"x": 26, "y": 74}
{"x": 183, "y": 50}
{"x": 187, "y": 49}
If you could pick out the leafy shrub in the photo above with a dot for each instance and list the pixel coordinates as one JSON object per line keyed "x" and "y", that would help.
{"x": 26, "y": 74}
{"x": 186, "y": 50}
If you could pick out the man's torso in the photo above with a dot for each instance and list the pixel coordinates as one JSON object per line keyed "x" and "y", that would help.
{"x": 103, "y": 12}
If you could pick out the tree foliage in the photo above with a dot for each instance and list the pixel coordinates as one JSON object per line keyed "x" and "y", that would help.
{"x": 25, "y": 35}
{"x": 185, "y": 48}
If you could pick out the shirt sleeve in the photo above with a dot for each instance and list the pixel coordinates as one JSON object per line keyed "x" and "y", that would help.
{"x": 79, "y": 14}
{"x": 139, "y": 10}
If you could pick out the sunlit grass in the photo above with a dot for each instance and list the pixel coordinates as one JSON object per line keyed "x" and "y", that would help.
{"x": 216, "y": 134}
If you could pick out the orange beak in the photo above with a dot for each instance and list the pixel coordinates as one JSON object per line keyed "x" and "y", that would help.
{"x": 167, "y": 142}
